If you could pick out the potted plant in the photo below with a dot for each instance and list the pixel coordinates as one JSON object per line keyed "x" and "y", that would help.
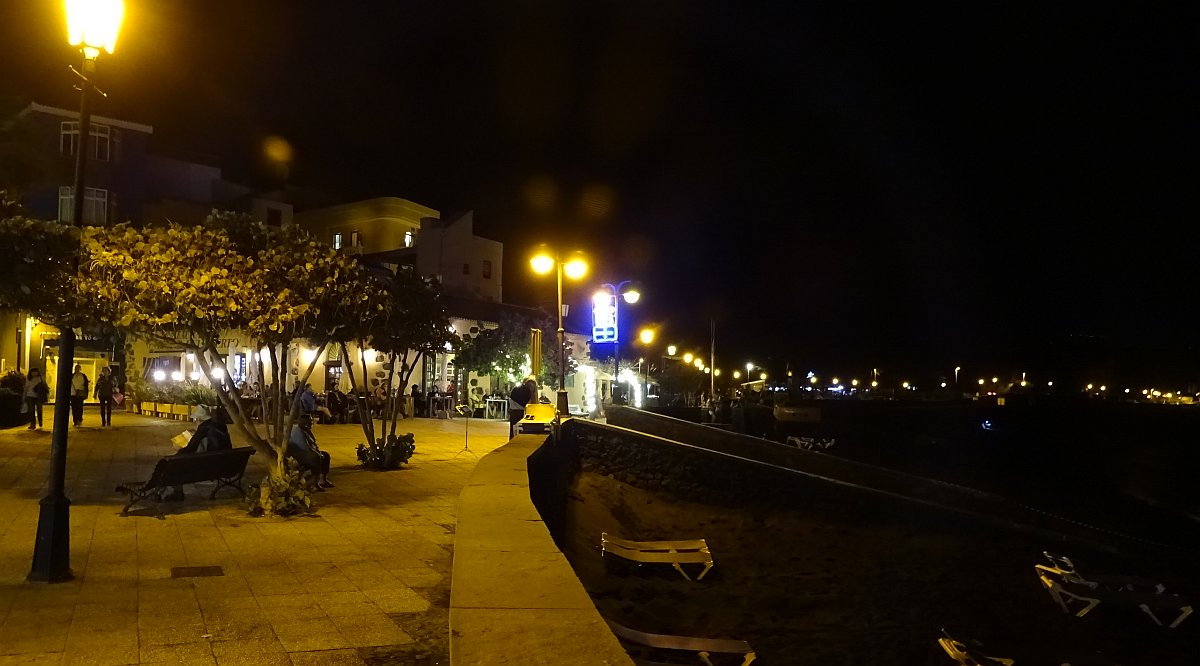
{"x": 388, "y": 454}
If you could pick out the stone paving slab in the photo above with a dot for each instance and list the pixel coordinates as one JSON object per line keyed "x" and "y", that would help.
{"x": 334, "y": 588}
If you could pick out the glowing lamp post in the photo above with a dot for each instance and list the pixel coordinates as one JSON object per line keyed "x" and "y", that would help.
{"x": 575, "y": 267}
{"x": 646, "y": 337}
{"x": 608, "y": 300}
{"x": 92, "y": 27}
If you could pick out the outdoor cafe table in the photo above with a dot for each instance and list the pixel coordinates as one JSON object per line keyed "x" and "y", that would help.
{"x": 437, "y": 403}
{"x": 496, "y": 408}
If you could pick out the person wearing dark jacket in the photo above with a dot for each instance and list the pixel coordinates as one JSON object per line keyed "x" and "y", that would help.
{"x": 105, "y": 387}
{"x": 302, "y": 447}
{"x": 211, "y": 435}
{"x": 519, "y": 397}
{"x": 79, "y": 393}
{"x": 36, "y": 393}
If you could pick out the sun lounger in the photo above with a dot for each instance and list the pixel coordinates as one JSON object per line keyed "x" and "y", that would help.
{"x": 1069, "y": 588}
{"x": 538, "y": 418}
{"x": 675, "y": 553}
{"x": 969, "y": 654}
{"x": 703, "y": 647}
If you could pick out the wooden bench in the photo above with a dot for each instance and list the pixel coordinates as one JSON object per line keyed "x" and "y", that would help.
{"x": 225, "y": 467}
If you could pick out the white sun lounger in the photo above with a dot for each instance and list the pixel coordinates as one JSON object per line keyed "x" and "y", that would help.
{"x": 1067, "y": 586}
{"x": 675, "y": 553}
{"x": 703, "y": 647}
{"x": 969, "y": 655}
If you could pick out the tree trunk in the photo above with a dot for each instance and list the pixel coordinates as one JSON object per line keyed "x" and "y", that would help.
{"x": 364, "y": 407}
{"x": 407, "y": 376}
{"x": 232, "y": 403}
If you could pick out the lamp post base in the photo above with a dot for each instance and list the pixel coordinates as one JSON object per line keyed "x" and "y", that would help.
{"x": 564, "y": 408}
{"x": 52, "y": 550}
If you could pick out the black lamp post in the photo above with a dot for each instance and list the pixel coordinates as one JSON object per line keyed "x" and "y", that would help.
{"x": 630, "y": 296}
{"x": 544, "y": 261}
{"x": 92, "y": 27}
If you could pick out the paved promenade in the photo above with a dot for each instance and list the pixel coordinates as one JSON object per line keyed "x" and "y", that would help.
{"x": 365, "y": 581}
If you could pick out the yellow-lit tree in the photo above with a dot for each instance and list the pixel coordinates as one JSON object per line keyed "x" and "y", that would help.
{"x": 192, "y": 285}
{"x": 407, "y": 322}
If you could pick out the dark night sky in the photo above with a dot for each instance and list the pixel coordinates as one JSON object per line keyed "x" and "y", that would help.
{"x": 844, "y": 185}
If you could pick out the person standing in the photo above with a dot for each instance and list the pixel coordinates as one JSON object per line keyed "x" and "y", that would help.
{"x": 519, "y": 397}
{"x": 79, "y": 393}
{"x": 105, "y": 387}
{"x": 36, "y": 393}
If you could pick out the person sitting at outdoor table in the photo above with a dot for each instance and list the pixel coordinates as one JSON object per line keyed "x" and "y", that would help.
{"x": 337, "y": 402}
{"x": 354, "y": 412}
{"x": 378, "y": 398}
{"x": 477, "y": 402}
{"x": 309, "y": 405}
{"x": 211, "y": 435}
{"x": 302, "y": 447}
{"x": 251, "y": 400}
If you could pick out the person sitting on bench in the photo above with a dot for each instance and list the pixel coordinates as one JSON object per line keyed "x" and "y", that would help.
{"x": 211, "y": 435}
{"x": 302, "y": 447}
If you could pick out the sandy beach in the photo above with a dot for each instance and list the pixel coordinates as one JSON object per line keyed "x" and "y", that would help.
{"x": 852, "y": 583}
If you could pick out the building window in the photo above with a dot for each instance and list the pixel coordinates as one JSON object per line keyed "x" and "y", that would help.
{"x": 354, "y": 240}
{"x": 100, "y": 146}
{"x": 337, "y": 241}
{"x": 466, "y": 269}
{"x": 95, "y": 205}
{"x": 487, "y": 269}
{"x": 408, "y": 239}
{"x": 274, "y": 217}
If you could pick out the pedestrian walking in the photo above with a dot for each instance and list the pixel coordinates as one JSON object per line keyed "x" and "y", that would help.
{"x": 105, "y": 387}
{"x": 36, "y": 393}
{"x": 79, "y": 393}
{"x": 520, "y": 396}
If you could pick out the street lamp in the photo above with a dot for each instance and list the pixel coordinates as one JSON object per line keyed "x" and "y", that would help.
{"x": 575, "y": 267}
{"x": 646, "y": 337}
{"x": 92, "y": 27}
{"x": 615, "y": 294}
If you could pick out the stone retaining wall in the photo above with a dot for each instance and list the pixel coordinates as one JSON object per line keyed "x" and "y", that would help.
{"x": 514, "y": 598}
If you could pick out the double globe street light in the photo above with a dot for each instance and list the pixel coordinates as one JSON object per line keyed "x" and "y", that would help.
{"x": 610, "y": 297}
{"x": 574, "y": 267}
